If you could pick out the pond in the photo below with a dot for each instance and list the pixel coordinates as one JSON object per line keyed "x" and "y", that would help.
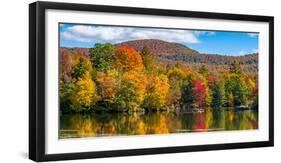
{"x": 124, "y": 124}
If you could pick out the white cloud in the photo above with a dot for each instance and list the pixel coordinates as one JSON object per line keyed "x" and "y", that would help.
{"x": 253, "y": 34}
{"x": 164, "y": 34}
{"x": 255, "y": 50}
{"x": 87, "y": 33}
{"x": 84, "y": 33}
{"x": 70, "y": 36}
{"x": 242, "y": 52}
{"x": 208, "y": 33}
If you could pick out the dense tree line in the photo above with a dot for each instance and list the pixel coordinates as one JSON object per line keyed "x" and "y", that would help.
{"x": 119, "y": 78}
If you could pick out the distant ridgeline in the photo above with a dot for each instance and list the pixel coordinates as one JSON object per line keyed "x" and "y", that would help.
{"x": 173, "y": 53}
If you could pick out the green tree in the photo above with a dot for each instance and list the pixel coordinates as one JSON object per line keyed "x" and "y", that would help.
{"x": 218, "y": 93}
{"x": 147, "y": 58}
{"x": 187, "y": 94}
{"x": 79, "y": 69}
{"x": 204, "y": 70}
{"x": 236, "y": 85}
{"x": 240, "y": 91}
{"x": 66, "y": 90}
{"x": 102, "y": 56}
{"x": 255, "y": 95}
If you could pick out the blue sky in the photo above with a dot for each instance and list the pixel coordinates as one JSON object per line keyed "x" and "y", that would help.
{"x": 211, "y": 42}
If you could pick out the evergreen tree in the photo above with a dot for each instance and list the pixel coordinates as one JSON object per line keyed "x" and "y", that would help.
{"x": 218, "y": 93}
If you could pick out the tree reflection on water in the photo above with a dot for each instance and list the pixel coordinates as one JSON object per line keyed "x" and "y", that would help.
{"x": 114, "y": 124}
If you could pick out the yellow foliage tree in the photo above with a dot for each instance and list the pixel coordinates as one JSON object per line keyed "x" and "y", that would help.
{"x": 157, "y": 92}
{"x": 84, "y": 94}
{"x": 131, "y": 91}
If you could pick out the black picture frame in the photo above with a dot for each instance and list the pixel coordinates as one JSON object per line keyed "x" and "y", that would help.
{"x": 37, "y": 80}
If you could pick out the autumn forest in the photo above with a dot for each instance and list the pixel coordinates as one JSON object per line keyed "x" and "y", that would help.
{"x": 150, "y": 83}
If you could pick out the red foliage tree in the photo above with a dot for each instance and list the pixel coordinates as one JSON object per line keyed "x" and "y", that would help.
{"x": 199, "y": 92}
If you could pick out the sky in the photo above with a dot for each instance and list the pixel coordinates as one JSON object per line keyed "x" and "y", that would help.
{"x": 210, "y": 42}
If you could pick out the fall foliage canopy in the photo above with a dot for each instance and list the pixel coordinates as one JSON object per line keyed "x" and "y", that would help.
{"x": 120, "y": 78}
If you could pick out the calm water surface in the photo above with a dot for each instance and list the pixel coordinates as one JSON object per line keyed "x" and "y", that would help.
{"x": 114, "y": 124}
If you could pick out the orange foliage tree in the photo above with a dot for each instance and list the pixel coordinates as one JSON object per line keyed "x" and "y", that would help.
{"x": 128, "y": 59}
{"x": 107, "y": 85}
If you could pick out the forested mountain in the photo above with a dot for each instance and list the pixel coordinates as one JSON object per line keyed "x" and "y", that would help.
{"x": 161, "y": 48}
{"x": 172, "y": 53}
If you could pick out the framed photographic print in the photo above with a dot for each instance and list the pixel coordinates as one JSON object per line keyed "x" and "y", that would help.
{"x": 118, "y": 81}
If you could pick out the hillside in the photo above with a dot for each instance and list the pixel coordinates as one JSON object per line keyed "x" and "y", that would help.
{"x": 160, "y": 48}
{"x": 172, "y": 53}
